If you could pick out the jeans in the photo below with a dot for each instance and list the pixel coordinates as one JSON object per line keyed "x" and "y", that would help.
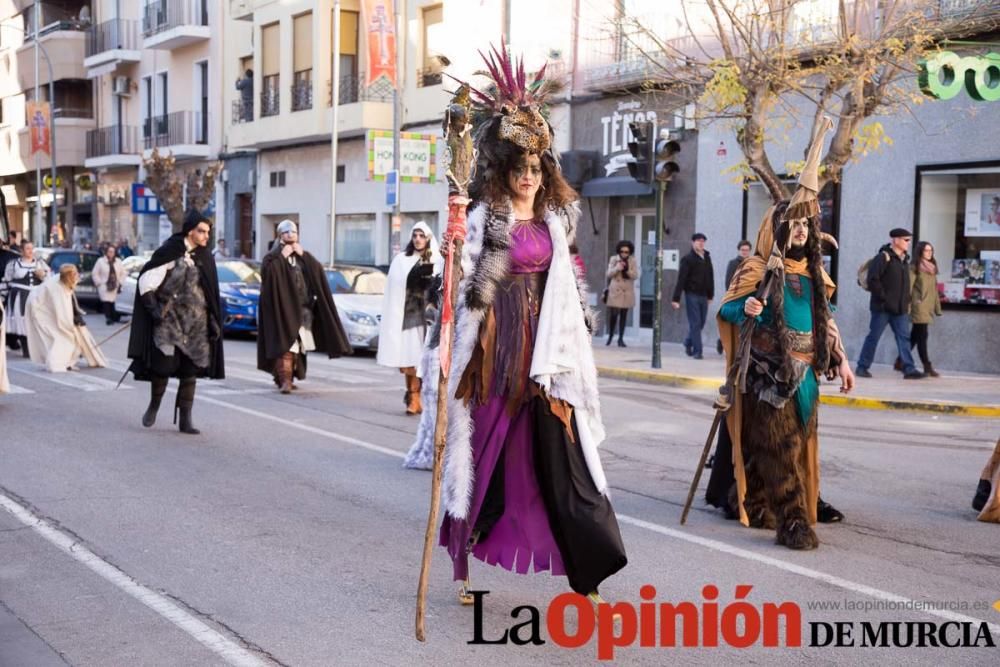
{"x": 900, "y": 328}
{"x": 696, "y": 306}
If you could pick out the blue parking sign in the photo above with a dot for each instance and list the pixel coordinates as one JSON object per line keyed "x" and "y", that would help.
{"x": 391, "y": 187}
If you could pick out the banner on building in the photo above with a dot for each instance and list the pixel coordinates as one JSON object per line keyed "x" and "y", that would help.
{"x": 379, "y": 18}
{"x": 417, "y": 156}
{"x": 38, "y": 121}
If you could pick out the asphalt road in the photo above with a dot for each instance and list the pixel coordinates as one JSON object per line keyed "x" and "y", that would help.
{"x": 288, "y": 532}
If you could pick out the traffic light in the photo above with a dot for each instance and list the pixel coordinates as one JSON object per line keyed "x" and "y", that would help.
{"x": 666, "y": 151}
{"x": 641, "y": 147}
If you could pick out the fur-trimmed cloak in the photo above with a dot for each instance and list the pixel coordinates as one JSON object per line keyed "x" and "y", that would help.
{"x": 563, "y": 359}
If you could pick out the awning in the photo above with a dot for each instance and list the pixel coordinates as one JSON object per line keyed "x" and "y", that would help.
{"x": 616, "y": 186}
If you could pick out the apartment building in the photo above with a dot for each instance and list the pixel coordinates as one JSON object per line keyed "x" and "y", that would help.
{"x": 156, "y": 77}
{"x": 60, "y": 32}
{"x": 281, "y": 115}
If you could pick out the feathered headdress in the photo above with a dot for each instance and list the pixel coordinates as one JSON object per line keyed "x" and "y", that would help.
{"x": 518, "y": 105}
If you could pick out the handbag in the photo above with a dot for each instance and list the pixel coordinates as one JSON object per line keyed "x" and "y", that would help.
{"x": 604, "y": 294}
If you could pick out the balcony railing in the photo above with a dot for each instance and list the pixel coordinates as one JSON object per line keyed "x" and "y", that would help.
{"x": 166, "y": 14}
{"x": 270, "y": 97}
{"x": 429, "y": 77}
{"x": 113, "y": 140}
{"x": 69, "y": 112}
{"x": 172, "y": 129}
{"x": 242, "y": 113}
{"x": 51, "y": 18}
{"x": 353, "y": 89}
{"x": 302, "y": 91}
{"x": 112, "y": 35}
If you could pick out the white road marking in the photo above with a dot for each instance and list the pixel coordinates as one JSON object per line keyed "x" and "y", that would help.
{"x": 227, "y": 649}
{"x": 714, "y": 545}
{"x": 15, "y": 389}
{"x": 74, "y": 380}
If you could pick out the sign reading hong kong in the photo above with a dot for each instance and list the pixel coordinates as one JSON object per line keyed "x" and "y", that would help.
{"x": 944, "y": 75}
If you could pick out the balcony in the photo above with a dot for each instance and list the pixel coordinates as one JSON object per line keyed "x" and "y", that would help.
{"x": 184, "y": 134}
{"x": 172, "y": 24}
{"x": 111, "y": 44}
{"x": 302, "y": 91}
{"x": 114, "y": 146}
{"x": 71, "y": 126}
{"x": 353, "y": 89}
{"x": 429, "y": 77}
{"x": 270, "y": 97}
{"x": 63, "y": 37}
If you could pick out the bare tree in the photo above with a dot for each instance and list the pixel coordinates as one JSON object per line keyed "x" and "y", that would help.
{"x": 176, "y": 188}
{"x": 767, "y": 65}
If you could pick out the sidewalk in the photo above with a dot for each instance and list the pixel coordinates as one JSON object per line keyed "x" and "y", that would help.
{"x": 969, "y": 394}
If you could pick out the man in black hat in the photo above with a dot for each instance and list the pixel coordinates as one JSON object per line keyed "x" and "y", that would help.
{"x": 889, "y": 284}
{"x": 697, "y": 281}
{"x": 177, "y": 320}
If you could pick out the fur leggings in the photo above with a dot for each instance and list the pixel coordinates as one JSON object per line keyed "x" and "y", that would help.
{"x": 774, "y": 445}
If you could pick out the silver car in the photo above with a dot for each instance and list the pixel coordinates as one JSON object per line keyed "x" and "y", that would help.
{"x": 126, "y": 296}
{"x": 357, "y": 292}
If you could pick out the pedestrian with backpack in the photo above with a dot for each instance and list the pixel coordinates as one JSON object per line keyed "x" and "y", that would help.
{"x": 888, "y": 280}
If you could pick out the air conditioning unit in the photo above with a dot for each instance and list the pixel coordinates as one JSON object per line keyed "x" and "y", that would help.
{"x": 122, "y": 86}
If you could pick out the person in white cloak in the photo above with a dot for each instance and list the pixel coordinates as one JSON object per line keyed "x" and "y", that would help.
{"x": 403, "y": 326}
{"x": 57, "y": 334}
{"x": 109, "y": 276}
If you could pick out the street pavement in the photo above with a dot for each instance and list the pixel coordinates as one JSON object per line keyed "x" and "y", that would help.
{"x": 288, "y": 532}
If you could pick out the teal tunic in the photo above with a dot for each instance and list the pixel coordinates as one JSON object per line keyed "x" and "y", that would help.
{"x": 798, "y": 316}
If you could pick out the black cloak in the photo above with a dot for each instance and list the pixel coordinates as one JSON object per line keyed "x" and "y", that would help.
{"x": 280, "y": 315}
{"x": 140, "y": 342}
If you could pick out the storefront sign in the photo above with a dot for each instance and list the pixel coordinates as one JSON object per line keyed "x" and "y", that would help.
{"x": 144, "y": 200}
{"x": 418, "y": 156}
{"x": 616, "y": 134}
{"x": 380, "y": 26}
{"x": 944, "y": 75}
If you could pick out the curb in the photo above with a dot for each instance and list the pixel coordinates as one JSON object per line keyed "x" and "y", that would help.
{"x": 857, "y": 402}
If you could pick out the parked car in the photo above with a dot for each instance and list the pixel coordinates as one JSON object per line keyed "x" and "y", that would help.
{"x": 357, "y": 291}
{"x": 84, "y": 260}
{"x": 239, "y": 287}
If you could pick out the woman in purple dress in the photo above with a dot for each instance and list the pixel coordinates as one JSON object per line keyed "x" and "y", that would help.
{"x": 523, "y": 484}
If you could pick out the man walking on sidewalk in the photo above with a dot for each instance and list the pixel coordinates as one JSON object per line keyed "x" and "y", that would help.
{"x": 889, "y": 283}
{"x": 696, "y": 280}
{"x": 743, "y": 249}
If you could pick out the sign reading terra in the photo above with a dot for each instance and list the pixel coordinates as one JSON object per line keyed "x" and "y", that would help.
{"x": 945, "y": 74}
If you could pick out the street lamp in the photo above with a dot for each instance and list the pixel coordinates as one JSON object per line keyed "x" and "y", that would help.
{"x": 52, "y": 131}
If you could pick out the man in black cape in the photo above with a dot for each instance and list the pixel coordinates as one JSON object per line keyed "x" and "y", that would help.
{"x": 177, "y": 320}
{"x": 297, "y": 313}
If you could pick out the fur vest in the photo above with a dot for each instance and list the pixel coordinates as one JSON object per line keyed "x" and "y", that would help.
{"x": 563, "y": 359}
{"x": 185, "y": 322}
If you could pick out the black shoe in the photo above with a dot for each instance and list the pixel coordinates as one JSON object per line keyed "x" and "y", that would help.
{"x": 982, "y": 495}
{"x": 698, "y": 356}
{"x": 862, "y": 373}
{"x": 827, "y": 513}
{"x": 609, "y": 340}
{"x": 898, "y": 365}
{"x": 718, "y": 347}
{"x": 621, "y": 343}
{"x": 688, "y": 350}
{"x": 913, "y": 375}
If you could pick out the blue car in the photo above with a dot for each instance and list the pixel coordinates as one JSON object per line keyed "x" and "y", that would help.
{"x": 239, "y": 287}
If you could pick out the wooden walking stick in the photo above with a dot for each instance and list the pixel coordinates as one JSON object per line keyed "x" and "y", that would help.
{"x": 459, "y": 157}
{"x": 115, "y": 333}
{"x": 735, "y": 381}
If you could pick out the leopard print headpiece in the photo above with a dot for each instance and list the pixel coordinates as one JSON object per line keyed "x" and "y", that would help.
{"x": 517, "y": 103}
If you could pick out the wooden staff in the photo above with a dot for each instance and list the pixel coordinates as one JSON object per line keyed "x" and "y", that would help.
{"x": 735, "y": 381}
{"x": 115, "y": 333}
{"x": 458, "y": 141}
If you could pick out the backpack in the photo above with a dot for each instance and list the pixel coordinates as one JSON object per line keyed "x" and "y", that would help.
{"x": 863, "y": 271}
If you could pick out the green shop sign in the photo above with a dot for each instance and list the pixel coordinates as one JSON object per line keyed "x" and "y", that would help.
{"x": 944, "y": 75}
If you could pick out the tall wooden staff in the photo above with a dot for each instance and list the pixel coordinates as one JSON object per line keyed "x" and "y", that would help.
{"x": 459, "y": 157}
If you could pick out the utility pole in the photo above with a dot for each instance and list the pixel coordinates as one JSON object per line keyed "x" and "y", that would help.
{"x": 397, "y": 121}
{"x": 660, "y": 191}
{"x": 335, "y": 122}
{"x": 39, "y": 220}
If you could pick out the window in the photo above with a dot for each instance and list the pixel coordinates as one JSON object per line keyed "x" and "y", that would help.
{"x": 355, "y": 239}
{"x": 958, "y": 212}
{"x": 434, "y": 44}
{"x": 277, "y": 179}
{"x": 302, "y": 89}
{"x": 271, "y": 64}
{"x": 147, "y": 104}
{"x": 348, "y": 86}
{"x": 201, "y": 117}
{"x": 341, "y": 173}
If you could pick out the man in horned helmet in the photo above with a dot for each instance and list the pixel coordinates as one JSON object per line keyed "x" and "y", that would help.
{"x": 775, "y": 452}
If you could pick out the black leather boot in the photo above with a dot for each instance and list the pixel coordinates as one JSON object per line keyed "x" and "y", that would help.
{"x": 185, "y": 400}
{"x": 157, "y": 387}
{"x": 983, "y": 491}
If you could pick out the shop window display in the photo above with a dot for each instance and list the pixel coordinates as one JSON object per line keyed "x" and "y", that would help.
{"x": 958, "y": 211}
